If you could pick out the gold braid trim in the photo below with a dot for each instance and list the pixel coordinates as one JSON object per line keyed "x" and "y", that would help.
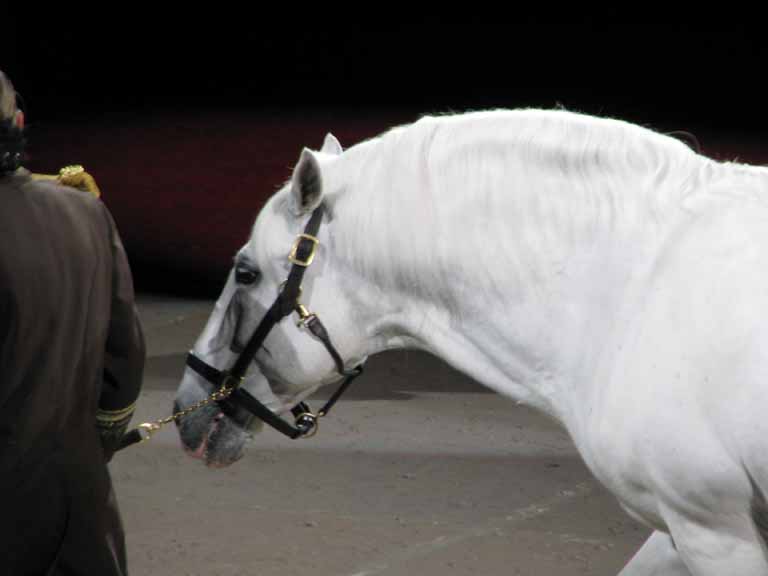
{"x": 73, "y": 176}
{"x": 109, "y": 418}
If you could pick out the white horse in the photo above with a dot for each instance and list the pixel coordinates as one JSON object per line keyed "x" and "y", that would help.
{"x": 601, "y": 272}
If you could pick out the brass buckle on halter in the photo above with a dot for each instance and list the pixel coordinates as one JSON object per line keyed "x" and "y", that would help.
{"x": 293, "y": 256}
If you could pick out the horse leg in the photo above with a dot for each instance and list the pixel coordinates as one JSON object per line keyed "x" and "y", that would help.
{"x": 730, "y": 547}
{"x": 657, "y": 557}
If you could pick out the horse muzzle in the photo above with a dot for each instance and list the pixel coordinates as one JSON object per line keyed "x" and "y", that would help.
{"x": 211, "y": 435}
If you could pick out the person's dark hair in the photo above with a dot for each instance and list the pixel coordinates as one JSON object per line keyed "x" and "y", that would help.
{"x": 11, "y": 128}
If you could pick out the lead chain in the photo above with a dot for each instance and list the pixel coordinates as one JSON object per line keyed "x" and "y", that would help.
{"x": 147, "y": 429}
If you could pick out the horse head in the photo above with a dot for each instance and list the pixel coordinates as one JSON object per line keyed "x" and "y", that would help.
{"x": 283, "y": 280}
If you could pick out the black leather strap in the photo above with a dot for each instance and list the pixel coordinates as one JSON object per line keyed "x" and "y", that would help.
{"x": 211, "y": 374}
{"x": 129, "y": 439}
{"x": 286, "y": 301}
{"x": 292, "y": 287}
{"x": 351, "y": 375}
{"x": 243, "y": 398}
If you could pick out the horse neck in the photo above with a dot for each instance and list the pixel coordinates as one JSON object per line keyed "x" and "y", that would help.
{"x": 530, "y": 336}
{"x": 524, "y": 291}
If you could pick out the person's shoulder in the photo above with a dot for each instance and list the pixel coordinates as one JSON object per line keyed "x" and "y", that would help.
{"x": 63, "y": 199}
{"x": 53, "y": 190}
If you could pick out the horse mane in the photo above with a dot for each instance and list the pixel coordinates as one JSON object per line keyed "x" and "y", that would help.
{"x": 487, "y": 190}
{"x": 571, "y": 146}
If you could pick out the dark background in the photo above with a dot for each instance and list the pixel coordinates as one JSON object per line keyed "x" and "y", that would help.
{"x": 706, "y": 69}
{"x": 190, "y": 120}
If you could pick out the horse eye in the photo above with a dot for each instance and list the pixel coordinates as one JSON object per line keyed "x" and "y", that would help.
{"x": 245, "y": 275}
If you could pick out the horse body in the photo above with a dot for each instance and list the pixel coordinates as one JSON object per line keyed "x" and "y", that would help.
{"x": 596, "y": 270}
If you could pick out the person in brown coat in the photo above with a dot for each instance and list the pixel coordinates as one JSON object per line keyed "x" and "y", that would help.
{"x": 71, "y": 363}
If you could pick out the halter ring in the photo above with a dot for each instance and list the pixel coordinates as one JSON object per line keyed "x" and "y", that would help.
{"x": 308, "y": 424}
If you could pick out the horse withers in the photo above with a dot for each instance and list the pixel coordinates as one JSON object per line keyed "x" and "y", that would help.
{"x": 599, "y": 271}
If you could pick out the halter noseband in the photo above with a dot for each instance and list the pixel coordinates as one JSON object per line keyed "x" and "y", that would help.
{"x": 287, "y": 301}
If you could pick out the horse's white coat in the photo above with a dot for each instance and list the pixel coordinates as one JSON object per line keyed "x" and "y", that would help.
{"x": 599, "y": 271}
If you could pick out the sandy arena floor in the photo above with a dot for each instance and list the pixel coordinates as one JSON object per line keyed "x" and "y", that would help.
{"x": 418, "y": 471}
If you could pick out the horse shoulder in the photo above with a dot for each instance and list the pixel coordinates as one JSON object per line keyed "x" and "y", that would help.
{"x": 680, "y": 412}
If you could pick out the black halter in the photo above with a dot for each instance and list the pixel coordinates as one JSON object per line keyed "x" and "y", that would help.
{"x": 287, "y": 301}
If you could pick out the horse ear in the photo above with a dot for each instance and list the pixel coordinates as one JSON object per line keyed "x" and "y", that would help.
{"x": 306, "y": 183}
{"x": 331, "y": 145}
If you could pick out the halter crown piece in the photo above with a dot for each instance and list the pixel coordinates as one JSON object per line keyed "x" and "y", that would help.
{"x": 12, "y": 143}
